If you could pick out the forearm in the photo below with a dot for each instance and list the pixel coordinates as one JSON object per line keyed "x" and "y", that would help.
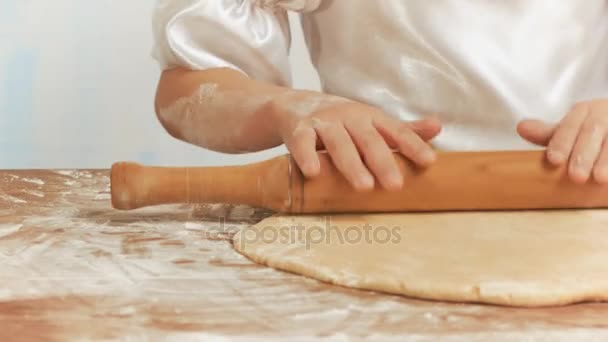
{"x": 219, "y": 109}
{"x": 224, "y": 110}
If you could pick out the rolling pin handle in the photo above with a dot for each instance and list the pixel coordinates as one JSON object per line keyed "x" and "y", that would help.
{"x": 124, "y": 185}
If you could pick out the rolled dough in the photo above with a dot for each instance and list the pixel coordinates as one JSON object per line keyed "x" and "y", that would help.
{"x": 538, "y": 258}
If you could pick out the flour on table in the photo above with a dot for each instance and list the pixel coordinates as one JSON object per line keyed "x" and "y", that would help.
{"x": 12, "y": 199}
{"x": 33, "y": 181}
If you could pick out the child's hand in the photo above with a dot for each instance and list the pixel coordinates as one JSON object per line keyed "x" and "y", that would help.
{"x": 359, "y": 139}
{"x": 579, "y": 139}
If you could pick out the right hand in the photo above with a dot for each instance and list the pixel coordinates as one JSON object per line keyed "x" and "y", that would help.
{"x": 359, "y": 139}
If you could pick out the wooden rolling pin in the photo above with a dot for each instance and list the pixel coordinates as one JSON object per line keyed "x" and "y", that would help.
{"x": 457, "y": 181}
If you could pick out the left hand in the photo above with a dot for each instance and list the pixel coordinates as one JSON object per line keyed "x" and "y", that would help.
{"x": 580, "y": 140}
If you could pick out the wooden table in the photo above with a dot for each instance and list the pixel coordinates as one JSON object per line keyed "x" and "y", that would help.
{"x": 72, "y": 268}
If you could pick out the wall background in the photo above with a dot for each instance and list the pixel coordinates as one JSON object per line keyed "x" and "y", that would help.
{"x": 77, "y": 84}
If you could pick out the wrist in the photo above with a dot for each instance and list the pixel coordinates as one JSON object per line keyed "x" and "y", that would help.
{"x": 294, "y": 105}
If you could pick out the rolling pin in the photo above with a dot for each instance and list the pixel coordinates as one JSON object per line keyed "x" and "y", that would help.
{"x": 457, "y": 181}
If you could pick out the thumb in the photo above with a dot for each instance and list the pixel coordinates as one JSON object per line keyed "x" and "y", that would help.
{"x": 536, "y": 131}
{"x": 426, "y": 129}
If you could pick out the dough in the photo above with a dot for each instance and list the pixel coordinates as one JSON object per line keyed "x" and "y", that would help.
{"x": 537, "y": 258}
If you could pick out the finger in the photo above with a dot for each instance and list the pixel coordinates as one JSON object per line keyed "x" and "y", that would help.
{"x": 344, "y": 155}
{"x": 561, "y": 145}
{"x": 302, "y": 146}
{"x": 427, "y": 128}
{"x": 586, "y": 150}
{"x": 378, "y": 157}
{"x": 536, "y": 131}
{"x": 408, "y": 142}
{"x": 600, "y": 170}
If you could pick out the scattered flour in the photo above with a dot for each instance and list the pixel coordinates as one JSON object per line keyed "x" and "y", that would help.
{"x": 12, "y": 199}
{"x": 326, "y": 314}
{"x": 8, "y": 229}
{"x": 76, "y": 174}
{"x": 33, "y": 193}
{"x": 103, "y": 196}
{"x": 33, "y": 181}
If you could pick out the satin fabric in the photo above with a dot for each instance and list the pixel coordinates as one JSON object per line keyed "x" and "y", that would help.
{"x": 481, "y": 66}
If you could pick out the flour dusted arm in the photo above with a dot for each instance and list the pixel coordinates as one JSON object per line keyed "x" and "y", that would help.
{"x": 225, "y": 87}
{"x": 222, "y": 62}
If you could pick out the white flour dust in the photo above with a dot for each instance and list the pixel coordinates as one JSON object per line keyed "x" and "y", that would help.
{"x": 38, "y": 194}
{"x": 33, "y": 181}
{"x": 8, "y": 229}
{"x": 197, "y": 116}
{"x": 76, "y": 174}
{"x": 12, "y": 199}
{"x": 303, "y": 104}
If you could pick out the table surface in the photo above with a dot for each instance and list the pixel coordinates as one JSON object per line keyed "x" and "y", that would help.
{"x": 72, "y": 268}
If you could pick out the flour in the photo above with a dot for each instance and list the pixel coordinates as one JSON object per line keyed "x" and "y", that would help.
{"x": 69, "y": 173}
{"x": 318, "y": 124}
{"x": 209, "y": 111}
{"x": 193, "y": 226}
{"x": 38, "y": 194}
{"x": 33, "y": 181}
{"x": 321, "y": 314}
{"x": 103, "y": 196}
{"x": 303, "y": 104}
{"x": 5, "y": 294}
{"x": 8, "y": 229}
{"x": 12, "y": 199}
{"x": 76, "y": 174}
{"x": 197, "y": 116}
{"x": 206, "y": 93}
{"x": 431, "y": 317}
{"x": 242, "y": 212}
{"x": 127, "y": 311}
{"x": 198, "y": 336}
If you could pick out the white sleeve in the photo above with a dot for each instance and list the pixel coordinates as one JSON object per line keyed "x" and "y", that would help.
{"x": 251, "y": 36}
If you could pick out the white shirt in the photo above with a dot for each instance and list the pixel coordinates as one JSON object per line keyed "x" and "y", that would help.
{"x": 481, "y": 66}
